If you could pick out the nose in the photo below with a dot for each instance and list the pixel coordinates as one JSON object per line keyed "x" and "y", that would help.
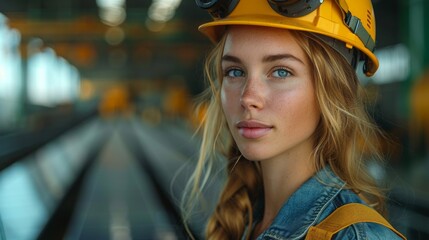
{"x": 252, "y": 95}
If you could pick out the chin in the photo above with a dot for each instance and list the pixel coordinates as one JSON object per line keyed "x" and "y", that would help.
{"x": 253, "y": 156}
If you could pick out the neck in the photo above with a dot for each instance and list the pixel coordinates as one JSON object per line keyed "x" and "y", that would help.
{"x": 281, "y": 179}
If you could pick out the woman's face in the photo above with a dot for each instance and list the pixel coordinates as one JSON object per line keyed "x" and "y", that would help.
{"x": 267, "y": 93}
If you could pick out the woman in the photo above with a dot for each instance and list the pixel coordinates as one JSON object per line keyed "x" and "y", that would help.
{"x": 285, "y": 109}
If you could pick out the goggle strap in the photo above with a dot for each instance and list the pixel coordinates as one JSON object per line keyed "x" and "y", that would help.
{"x": 355, "y": 25}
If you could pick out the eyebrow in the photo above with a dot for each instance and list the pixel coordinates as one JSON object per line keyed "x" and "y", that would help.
{"x": 229, "y": 58}
{"x": 272, "y": 58}
{"x": 269, "y": 58}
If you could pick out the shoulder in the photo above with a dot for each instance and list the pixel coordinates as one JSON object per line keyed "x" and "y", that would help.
{"x": 358, "y": 231}
{"x": 364, "y": 231}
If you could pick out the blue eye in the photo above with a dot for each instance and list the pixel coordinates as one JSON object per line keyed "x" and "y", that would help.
{"x": 281, "y": 73}
{"x": 234, "y": 73}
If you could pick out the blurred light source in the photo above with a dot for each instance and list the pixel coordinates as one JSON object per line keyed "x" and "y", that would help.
{"x": 154, "y": 26}
{"x": 112, "y": 16}
{"x": 112, "y": 12}
{"x": 11, "y": 81}
{"x": 114, "y": 35}
{"x": 50, "y": 88}
{"x": 87, "y": 89}
{"x": 10, "y": 63}
{"x": 160, "y": 12}
{"x": 110, "y": 3}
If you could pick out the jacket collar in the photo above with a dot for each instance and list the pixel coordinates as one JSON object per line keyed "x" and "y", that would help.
{"x": 305, "y": 206}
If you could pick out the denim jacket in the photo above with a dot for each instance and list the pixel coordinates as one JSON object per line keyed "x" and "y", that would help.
{"x": 314, "y": 201}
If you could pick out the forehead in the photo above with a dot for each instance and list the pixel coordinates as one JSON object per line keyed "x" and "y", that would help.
{"x": 263, "y": 39}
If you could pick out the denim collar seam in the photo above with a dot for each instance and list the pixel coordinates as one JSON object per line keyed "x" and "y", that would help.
{"x": 276, "y": 232}
{"x": 320, "y": 206}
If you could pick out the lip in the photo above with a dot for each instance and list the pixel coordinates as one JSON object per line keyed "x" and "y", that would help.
{"x": 253, "y": 129}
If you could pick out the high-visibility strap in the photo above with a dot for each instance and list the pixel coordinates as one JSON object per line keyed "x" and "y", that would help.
{"x": 345, "y": 216}
{"x": 355, "y": 25}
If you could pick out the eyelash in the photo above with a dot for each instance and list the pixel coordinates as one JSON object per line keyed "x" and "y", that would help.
{"x": 228, "y": 71}
{"x": 276, "y": 69}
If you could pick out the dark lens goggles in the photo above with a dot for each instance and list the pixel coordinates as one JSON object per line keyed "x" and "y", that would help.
{"x": 289, "y": 8}
{"x": 217, "y": 8}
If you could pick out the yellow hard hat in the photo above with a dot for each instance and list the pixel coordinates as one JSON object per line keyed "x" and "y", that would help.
{"x": 350, "y": 21}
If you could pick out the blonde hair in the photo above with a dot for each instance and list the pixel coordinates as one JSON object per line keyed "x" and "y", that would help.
{"x": 344, "y": 140}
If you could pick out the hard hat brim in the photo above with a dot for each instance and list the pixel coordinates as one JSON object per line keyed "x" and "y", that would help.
{"x": 215, "y": 30}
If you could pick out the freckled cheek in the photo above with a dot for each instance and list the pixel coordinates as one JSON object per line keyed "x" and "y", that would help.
{"x": 230, "y": 107}
{"x": 229, "y": 99}
{"x": 308, "y": 115}
{"x": 297, "y": 111}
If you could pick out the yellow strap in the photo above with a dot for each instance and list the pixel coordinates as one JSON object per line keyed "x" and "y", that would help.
{"x": 345, "y": 216}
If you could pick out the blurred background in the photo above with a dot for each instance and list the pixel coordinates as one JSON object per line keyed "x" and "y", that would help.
{"x": 97, "y": 125}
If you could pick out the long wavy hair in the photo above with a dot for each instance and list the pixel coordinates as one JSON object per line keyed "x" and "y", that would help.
{"x": 345, "y": 140}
